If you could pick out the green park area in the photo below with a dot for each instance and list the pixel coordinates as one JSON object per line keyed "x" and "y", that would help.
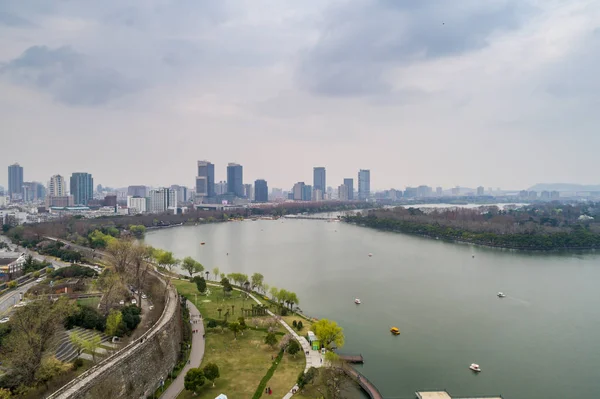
{"x": 243, "y": 357}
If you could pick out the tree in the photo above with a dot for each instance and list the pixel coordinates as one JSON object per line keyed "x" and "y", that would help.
{"x": 243, "y": 325}
{"x": 33, "y": 329}
{"x": 235, "y": 328}
{"x": 299, "y": 326}
{"x": 113, "y": 322}
{"x": 138, "y": 231}
{"x": 120, "y": 253}
{"x": 191, "y": 266}
{"x": 5, "y": 393}
{"x": 257, "y": 280}
{"x": 329, "y": 332}
{"x": 216, "y": 272}
{"x": 274, "y": 293}
{"x": 111, "y": 286}
{"x": 293, "y": 347}
{"x": 194, "y": 379}
{"x": 292, "y": 299}
{"x": 77, "y": 341}
{"x": 50, "y": 368}
{"x": 271, "y": 340}
{"x": 165, "y": 259}
{"x": 91, "y": 345}
{"x": 138, "y": 267}
{"x": 227, "y": 288}
{"x": 200, "y": 284}
{"x": 212, "y": 323}
{"x": 211, "y": 372}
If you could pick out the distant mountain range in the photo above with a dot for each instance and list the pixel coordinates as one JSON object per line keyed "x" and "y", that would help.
{"x": 564, "y": 187}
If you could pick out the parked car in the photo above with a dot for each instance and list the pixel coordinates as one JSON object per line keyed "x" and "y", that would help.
{"x": 4, "y": 320}
{"x": 39, "y": 280}
{"x": 144, "y": 296}
{"x": 133, "y": 302}
{"x": 121, "y": 302}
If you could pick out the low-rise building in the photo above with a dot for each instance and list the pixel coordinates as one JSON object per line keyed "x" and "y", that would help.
{"x": 11, "y": 265}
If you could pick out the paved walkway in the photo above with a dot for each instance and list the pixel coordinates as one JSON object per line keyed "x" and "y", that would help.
{"x": 196, "y": 355}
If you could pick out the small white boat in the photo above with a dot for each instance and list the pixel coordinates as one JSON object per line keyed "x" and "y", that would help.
{"x": 501, "y": 295}
{"x": 475, "y": 367}
{"x": 370, "y": 254}
{"x": 357, "y": 301}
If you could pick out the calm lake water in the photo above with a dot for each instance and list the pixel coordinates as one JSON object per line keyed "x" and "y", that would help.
{"x": 541, "y": 341}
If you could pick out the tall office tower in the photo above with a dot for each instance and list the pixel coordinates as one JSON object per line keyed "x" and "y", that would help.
{"x": 349, "y": 183}
{"x": 480, "y": 191}
{"x": 33, "y": 191}
{"x": 161, "y": 199}
{"x": 298, "y": 191}
{"x": 261, "y": 191}
{"x": 364, "y": 184}
{"x": 307, "y": 193}
{"x": 235, "y": 179}
{"x": 15, "y": 180}
{"x": 82, "y": 188}
{"x": 317, "y": 195}
{"x": 57, "y": 187}
{"x": 319, "y": 179}
{"x": 424, "y": 191}
{"x": 249, "y": 191}
{"x": 343, "y": 192}
{"x": 205, "y": 180}
{"x": 182, "y": 193}
{"x": 137, "y": 191}
{"x": 438, "y": 191}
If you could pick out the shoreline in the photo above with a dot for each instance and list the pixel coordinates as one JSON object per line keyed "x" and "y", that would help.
{"x": 463, "y": 241}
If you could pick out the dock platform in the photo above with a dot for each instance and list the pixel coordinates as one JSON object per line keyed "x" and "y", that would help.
{"x": 445, "y": 395}
{"x": 352, "y": 358}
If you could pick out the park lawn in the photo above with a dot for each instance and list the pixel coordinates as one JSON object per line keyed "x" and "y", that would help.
{"x": 90, "y": 302}
{"x": 242, "y": 363}
{"x": 306, "y": 325}
{"x": 286, "y": 374}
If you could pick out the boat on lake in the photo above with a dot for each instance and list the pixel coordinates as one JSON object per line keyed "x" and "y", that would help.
{"x": 501, "y": 295}
{"x": 395, "y": 330}
{"x": 357, "y": 301}
{"x": 475, "y": 367}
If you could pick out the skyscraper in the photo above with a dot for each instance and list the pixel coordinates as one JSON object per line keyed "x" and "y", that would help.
{"x": 343, "y": 192}
{"x": 261, "y": 191}
{"x": 319, "y": 179}
{"x": 480, "y": 191}
{"x": 56, "y": 186}
{"x": 364, "y": 184}
{"x": 298, "y": 191}
{"x": 15, "y": 179}
{"x": 82, "y": 188}
{"x": 205, "y": 180}
{"x": 307, "y": 193}
{"x": 161, "y": 199}
{"x": 349, "y": 183}
{"x": 182, "y": 193}
{"x": 137, "y": 191}
{"x": 235, "y": 179}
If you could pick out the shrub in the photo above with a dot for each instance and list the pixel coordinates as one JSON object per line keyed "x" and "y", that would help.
{"x": 86, "y": 317}
{"x": 295, "y": 324}
{"x": 77, "y": 363}
{"x": 12, "y": 284}
{"x": 212, "y": 324}
{"x": 299, "y": 326}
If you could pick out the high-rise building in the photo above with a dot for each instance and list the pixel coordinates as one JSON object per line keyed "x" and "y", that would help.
{"x": 349, "y": 183}
{"x": 410, "y": 192}
{"x": 364, "y": 184}
{"x": 57, "y": 187}
{"x": 221, "y": 188}
{"x": 33, "y": 191}
{"x": 261, "y": 191}
{"x": 15, "y": 180}
{"x": 319, "y": 180}
{"x": 82, "y": 188}
{"x": 249, "y": 191}
{"x": 307, "y": 193}
{"x": 317, "y": 195}
{"x": 480, "y": 191}
{"x": 205, "y": 180}
{"x": 235, "y": 179}
{"x": 161, "y": 199}
{"x": 424, "y": 191}
{"x": 343, "y": 192}
{"x": 137, "y": 205}
{"x": 137, "y": 191}
{"x": 182, "y": 193}
{"x": 438, "y": 191}
{"x": 553, "y": 195}
{"x": 298, "y": 191}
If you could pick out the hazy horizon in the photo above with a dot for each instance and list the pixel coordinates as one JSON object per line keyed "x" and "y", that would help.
{"x": 500, "y": 93}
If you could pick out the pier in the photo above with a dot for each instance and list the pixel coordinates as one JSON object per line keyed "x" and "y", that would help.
{"x": 445, "y": 395}
{"x": 352, "y": 358}
{"x": 364, "y": 382}
{"x": 302, "y": 217}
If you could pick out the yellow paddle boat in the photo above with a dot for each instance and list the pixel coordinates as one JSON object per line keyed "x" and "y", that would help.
{"x": 395, "y": 331}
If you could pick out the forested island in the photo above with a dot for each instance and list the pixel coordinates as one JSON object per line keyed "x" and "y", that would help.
{"x": 534, "y": 227}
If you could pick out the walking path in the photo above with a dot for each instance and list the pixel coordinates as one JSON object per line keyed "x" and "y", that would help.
{"x": 195, "y": 356}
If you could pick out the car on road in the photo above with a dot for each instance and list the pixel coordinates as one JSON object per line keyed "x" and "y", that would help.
{"x": 39, "y": 280}
{"x": 144, "y": 296}
{"x": 133, "y": 302}
{"x": 4, "y": 320}
{"x": 121, "y": 302}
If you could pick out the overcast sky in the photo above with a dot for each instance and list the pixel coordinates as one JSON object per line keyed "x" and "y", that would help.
{"x": 501, "y": 93}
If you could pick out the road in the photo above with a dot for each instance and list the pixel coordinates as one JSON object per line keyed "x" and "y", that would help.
{"x": 195, "y": 357}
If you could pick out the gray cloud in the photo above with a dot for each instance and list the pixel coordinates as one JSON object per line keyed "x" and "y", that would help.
{"x": 70, "y": 77}
{"x": 361, "y": 39}
{"x": 13, "y": 20}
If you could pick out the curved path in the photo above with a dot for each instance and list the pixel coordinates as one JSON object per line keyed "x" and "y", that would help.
{"x": 195, "y": 356}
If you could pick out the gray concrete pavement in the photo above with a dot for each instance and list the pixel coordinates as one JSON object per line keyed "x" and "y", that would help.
{"x": 195, "y": 356}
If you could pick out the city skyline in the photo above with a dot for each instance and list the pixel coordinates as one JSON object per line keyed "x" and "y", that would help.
{"x": 468, "y": 96}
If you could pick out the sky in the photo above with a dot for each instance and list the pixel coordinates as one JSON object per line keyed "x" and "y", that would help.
{"x": 500, "y": 93}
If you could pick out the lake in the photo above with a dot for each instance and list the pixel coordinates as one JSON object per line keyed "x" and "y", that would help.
{"x": 541, "y": 341}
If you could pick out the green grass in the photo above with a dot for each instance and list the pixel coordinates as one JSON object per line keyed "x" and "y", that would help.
{"x": 286, "y": 374}
{"x": 91, "y": 302}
